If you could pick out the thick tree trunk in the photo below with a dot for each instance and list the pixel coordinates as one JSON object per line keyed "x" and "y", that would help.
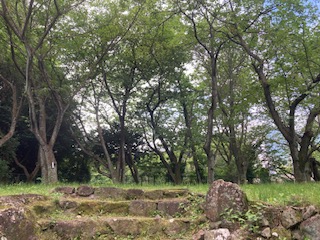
{"x": 301, "y": 166}
{"x": 242, "y": 168}
{"x": 48, "y": 165}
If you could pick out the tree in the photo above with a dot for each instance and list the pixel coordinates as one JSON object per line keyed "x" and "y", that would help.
{"x": 10, "y": 88}
{"x": 281, "y": 38}
{"x": 203, "y": 17}
{"x": 112, "y": 77}
{"x": 236, "y": 97}
{"x": 29, "y": 26}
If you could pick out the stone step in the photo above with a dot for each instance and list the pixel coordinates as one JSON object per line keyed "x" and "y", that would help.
{"x": 121, "y": 194}
{"x": 115, "y": 227}
{"x": 141, "y": 207}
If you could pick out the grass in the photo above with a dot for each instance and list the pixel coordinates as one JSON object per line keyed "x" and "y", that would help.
{"x": 278, "y": 194}
{"x": 284, "y": 193}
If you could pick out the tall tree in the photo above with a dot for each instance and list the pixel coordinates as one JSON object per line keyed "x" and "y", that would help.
{"x": 29, "y": 26}
{"x": 113, "y": 78}
{"x": 281, "y": 38}
{"x": 204, "y": 18}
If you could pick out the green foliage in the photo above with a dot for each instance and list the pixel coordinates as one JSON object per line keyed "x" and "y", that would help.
{"x": 250, "y": 219}
{"x": 5, "y": 171}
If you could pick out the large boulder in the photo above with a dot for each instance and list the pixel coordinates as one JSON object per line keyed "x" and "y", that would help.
{"x": 311, "y": 227}
{"x": 15, "y": 224}
{"x": 224, "y": 196}
{"x": 16, "y": 221}
{"x": 85, "y": 191}
{"x": 291, "y": 217}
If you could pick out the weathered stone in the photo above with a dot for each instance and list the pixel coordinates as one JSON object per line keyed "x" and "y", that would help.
{"x": 231, "y": 225}
{"x": 199, "y": 235}
{"x": 142, "y": 208}
{"x": 290, "y": 217}
{"x": 297, "y": 235}
{"x": 134, "y": 194}
{"x": 224, "y": 196}
{"x": 272, "y": 216}
{"x": 124, "y": 227}
{"x": 309, "y": 211}
{"x": 76, "y": 229}
{"x": 85, "y": 191}
{"x": 65, "y": 190}
{"x": 217, "y": 234}
{"x": 110, "y": 192}
{"x": 66, "y": 204}
{"x": 311, "y": 227}
{"x": 239, "y": 234}
{"x": 264, "y": 222}
{"x": 281, "y": 232}
{"x": 153, "y": 195}
{"x": 266, "y": 232}
{"x": 175, "y": 226}
{"x": 15, "y": 224}
{"x": 215, "y": 225}
{"x": 20, "y": 200}
{"x": 172, "y": 207}
{"x": 175, "y": 193}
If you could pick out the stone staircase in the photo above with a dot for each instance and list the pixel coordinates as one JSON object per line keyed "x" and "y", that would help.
{"x": 114, "y": 213}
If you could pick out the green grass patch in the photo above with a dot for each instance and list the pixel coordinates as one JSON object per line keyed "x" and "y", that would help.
{"x": 278, "y": 194}
{"x": 284, "y": 193}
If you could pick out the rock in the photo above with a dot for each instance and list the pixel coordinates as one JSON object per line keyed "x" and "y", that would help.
{"x": 124, "y": 227}
{"x": 217, "y": 234}
{"x": 224, "y": 196}
{"x": 266, "y": 232}
{"x": 65, "y": 190}
{"x": 215, "y": 225}
{"x": 84, "y": 191}
{"x": 142, "y": 208}
{"x": 172, "y": 207}
{"x": 309, "y": 211}
{"x": 14, "y": 224}
{"x": 297, "y": 235}
{"x": 264, "y": 222}
{"x": 175, "y": 193}
{"x": 271, "y": 215}
{"x": 134, "y": 194}
{"x": 76, "y": 229}
{"x": 239, "y": 234}
{"x": 153, "y": 195}
{"x": 281, "y": 233}
{"x": 311, "y": 227}
{"x": 66, "y": 204}
{"x": 199, "y": 235}
{"x": 175, "y": 226}
{"x": 110, "y": 192}
{"x": 231, "y": 225}
{"x": 290, "y": 217}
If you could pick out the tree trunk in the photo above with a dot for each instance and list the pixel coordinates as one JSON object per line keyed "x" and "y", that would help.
{"x": 15, "y": 111}
{"x": 133, "y": 167}
{"x": 49, "y": 173}
{"x": 211, "y": 162}
{"x": 242, "y": 168}
{"x": 301, "y": 166}
{"x": 189, "y": 134}
{"x": 122, "y": 153}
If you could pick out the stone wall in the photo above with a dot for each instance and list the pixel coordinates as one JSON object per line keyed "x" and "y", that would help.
{"x": 232, "y": 217}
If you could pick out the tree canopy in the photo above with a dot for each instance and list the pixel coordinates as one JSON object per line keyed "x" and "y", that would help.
{"x": 180, "y": 91}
